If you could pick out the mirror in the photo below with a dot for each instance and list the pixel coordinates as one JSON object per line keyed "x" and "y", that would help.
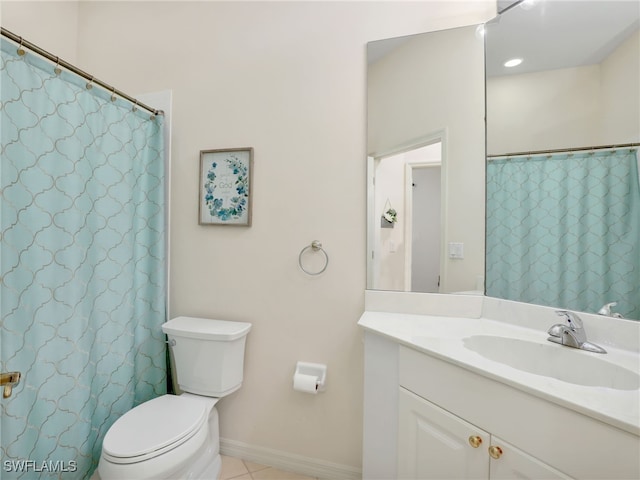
{"x": 563, "y": 210}
{"x": 425, "y": 142}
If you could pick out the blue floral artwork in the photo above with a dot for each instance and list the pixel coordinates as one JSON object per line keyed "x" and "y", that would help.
{"x": 226, "y": 187}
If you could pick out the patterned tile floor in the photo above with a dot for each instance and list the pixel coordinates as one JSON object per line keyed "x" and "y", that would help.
{"x": 237, "y": 469}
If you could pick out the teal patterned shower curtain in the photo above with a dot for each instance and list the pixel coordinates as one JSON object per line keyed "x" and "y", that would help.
{"x": 82, "y": 264}
{"x": 563, "y": 230}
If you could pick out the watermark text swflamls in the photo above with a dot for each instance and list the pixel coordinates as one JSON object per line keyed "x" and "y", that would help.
{"x": 53, "y": 466}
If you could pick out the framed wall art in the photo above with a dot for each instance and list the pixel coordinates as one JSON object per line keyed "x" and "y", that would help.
{"x": 225, "y": 186}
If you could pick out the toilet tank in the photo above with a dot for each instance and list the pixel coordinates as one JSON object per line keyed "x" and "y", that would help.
{"x": 208, "y": 354}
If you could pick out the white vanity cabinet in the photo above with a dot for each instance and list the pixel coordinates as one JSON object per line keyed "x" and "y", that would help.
{"x": 432, "y": 443}
{"x": 435, "y": 444}
{"x": 441, "y": 406}
{"x": 421, "y": 407}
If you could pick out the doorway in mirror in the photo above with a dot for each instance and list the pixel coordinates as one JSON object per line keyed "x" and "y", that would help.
{"x": 426, "y": 234}
{"x": 406, "y": 253}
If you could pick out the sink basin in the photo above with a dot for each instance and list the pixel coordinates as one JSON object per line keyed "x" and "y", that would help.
{"x": 563, "y": 363}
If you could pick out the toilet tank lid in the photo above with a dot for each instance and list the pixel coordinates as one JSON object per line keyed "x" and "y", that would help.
{"x": 192, "y": 327}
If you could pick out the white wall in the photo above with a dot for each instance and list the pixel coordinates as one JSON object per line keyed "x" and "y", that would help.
{"x": 287, "y": 79}
{"x": 50, "y": 25}
{"x": 620, "y": 75}
{"x": 391, "y": 242}
{"x": 567, "y": 108}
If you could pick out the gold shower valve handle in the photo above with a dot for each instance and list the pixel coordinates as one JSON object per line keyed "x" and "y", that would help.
{"x": 9, "y": 380}
{"x": 495, "y": 452}
{"x": 475, "y": 441}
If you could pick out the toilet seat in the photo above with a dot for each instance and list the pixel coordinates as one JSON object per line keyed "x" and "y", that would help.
{"x": 161, "y": 424}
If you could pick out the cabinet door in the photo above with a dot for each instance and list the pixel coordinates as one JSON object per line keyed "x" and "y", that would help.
{"x": 434, "y": 444}
{"x": 513, "y": 463}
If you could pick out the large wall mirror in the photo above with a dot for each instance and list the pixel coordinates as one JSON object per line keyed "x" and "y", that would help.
{"x": 563, "y": 126}
{"x": 426, "y": 148}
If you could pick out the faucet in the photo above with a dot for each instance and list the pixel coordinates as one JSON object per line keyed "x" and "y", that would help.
{"x": 606, "y": 310}
{"x": 572, "y": 333}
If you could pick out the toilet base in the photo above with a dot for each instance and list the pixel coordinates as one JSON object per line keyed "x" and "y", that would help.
{"x": 205, "y": 471}
{"x": 209, "y": 471}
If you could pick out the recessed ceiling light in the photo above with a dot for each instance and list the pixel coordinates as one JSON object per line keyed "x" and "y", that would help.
{"x": 514, "y": 62}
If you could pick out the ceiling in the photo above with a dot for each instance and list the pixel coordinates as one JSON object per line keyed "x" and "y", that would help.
{"x": 550, "y": 34}
{"x": 547, "y": 34}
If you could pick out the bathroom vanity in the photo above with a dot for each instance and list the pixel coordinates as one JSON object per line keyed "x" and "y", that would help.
{"x": 461, "y": 386}
{"x": 469, "y": 387}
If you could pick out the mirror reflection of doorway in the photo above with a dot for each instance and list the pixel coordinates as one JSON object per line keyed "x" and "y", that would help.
{"x": 425, "y": 231}
{"x": 407, "y": 255}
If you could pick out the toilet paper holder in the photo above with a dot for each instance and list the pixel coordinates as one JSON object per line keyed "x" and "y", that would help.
{"x": 317, "y": 370}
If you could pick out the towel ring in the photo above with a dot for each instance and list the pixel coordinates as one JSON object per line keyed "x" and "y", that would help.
{"x": 316, "y": 246}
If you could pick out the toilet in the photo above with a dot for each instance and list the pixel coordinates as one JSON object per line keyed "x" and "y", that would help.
{"x": 176, "y": 436}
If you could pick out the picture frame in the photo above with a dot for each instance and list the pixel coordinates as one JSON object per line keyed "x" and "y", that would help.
{"x": 226, "y": 184}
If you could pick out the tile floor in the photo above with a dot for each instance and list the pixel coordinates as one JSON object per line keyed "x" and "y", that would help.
{"x": 237, "y": 469}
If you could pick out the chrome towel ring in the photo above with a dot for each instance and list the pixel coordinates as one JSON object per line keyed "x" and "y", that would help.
{"x": 315, "y": 246}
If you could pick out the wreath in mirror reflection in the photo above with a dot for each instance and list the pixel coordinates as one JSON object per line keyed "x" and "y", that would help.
{"x": 238, "y": 204}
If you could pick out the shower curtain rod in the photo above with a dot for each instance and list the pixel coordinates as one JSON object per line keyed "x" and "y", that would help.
{"x": 563, "y": 150}
{"x": 59, "y": 62}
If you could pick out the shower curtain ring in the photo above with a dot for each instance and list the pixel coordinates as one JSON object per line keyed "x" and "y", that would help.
{"x": 90, "y": 84}
{"x": 21, "y": 50}
{"x": 113, "y": 95}
{"x": 57, "y": 70}
{"x": 135, "y": 107}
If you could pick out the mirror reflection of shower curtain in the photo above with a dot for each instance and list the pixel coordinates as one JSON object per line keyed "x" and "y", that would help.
{"x": 590, "y": 201}
{"x": 82, "y": 264}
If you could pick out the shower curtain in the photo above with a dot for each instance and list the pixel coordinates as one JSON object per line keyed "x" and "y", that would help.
{"x": 82, "y": 264}
{"x": 563, "y": 230}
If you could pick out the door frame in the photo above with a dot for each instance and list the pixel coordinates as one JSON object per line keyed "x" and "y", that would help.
{"x": 408, "y": 225}
{"x": 373, "y": 158}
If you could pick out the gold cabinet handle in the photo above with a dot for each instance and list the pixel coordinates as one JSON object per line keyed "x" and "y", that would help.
{"x": 475, "y": 441}
{"x": 495, "y": 452}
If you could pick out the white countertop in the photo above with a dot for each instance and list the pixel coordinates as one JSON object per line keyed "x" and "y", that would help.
{"x": 443, "y": 337}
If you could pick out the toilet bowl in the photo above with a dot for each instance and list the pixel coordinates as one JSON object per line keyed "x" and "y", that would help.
{"x": 176, "y": 436}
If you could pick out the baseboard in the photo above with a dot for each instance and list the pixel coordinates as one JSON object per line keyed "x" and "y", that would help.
{"x": 289, "y": 461}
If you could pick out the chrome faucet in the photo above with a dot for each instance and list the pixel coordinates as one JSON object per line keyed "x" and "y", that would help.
{"x": 606, "y": 310}
{"x": 572, "y": 333}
